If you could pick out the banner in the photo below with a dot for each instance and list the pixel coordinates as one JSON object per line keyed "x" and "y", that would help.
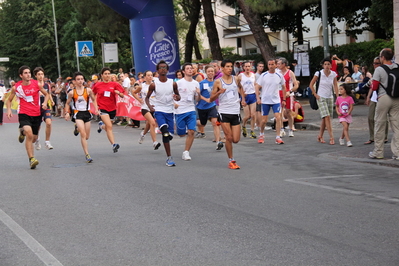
{"x": 130, "y": 107}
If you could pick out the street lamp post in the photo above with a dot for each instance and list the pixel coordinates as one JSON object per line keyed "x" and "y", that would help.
{"x": 324, "y": 15}
{"x": 57, "y": 49}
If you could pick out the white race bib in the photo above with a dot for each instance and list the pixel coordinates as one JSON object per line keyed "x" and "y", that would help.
{"x": 29, "y": 98}
{"x": 107, "y": 93}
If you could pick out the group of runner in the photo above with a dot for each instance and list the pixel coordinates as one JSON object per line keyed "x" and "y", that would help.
{"x": 167, "y": 102}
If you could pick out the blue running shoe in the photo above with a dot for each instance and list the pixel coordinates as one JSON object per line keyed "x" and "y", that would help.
{"x": 100, "y": 124}
{"x": 115, "y": 147}
{"x": 170, "y": 162}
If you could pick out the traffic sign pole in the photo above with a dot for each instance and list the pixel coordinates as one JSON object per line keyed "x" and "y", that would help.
{"x": 77, "y": 55}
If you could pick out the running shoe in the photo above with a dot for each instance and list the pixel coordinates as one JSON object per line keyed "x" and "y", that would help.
{"x": 261, "y": 139}
{"x": 21, "y": 136}
{"x": 88, "y": 158}
{"x": 170, "y": 162}
{"x": 186, "y": 156}
{"x": 76, "y": 131}
{"x": 348, "y": 144}
{"x": 233, "y": 165}
{"x": 38, "y": 146}
{"x": 282, "y": 133}
{"x": 156, "y": 145}
{"x": 198, "y": 135}
{"x": 48, "y": 145}
{"x": 141, "y": 139}
{"x": 244, "y": 132}
{"x": 253, "y": 135}
{"x": 341, "y": 142}
{"x": 115, "y": 147}
{"x": 33, "y": 163}
{"x": 373, "y": 156}
{"x": 279, "y": 141}
{"x": 290, "y": 133}
{"x": 268, "y": 128}
{"x": 157, "y": 130}
{"x": 100, "y": 124}
{"x": 219, "y": 146}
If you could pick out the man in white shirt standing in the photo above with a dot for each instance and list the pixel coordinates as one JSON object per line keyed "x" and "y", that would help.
{"x": 186, "y": 118}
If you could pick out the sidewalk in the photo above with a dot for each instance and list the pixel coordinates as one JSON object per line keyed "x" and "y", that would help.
{"x": 358, "y": 153}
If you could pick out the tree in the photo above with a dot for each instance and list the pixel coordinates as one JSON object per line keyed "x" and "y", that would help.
{"x": 255, "y": 24}
{"x": 211, "y": 30}
{"x": 192, "y": 10}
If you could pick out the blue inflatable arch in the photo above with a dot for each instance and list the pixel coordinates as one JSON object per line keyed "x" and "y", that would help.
{"x": 153, "y": 32}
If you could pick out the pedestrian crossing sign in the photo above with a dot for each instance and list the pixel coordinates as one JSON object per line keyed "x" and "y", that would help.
{"x": 84, "y": 48}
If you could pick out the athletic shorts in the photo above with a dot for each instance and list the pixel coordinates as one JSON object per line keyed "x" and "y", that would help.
{"x": 266, "y": 108}
{"x": 165, "y": 119}
{"x": 86, "y": 116}
{"x": 144, "y": 111}
{"x": 111, "y": 114}
{"x": 46, "y": 114}
{"x": 186, "y": 121}
{"x": 230, "y": 118}
{"x": 205, "y": 114}
{"x": 250, "y": 98}
{"x": 32, "y": 121}
{"x": 287, "y": 102}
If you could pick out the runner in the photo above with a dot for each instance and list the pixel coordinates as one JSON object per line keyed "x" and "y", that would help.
{"x": 186, "y": 118}
{"x": 165, "y": 92}
{"x": 150, "y": 125}
{"x": 270, "y": 83}
{"x": 80, "y": 97}
{"x": 206, "y": 108}
{"x": 29, "y": 115}
{"x": 106, "y": 92}
{"x": 227, "y": 90}
{"x": 38, "y": 72}
{"x": 247, "y": 81}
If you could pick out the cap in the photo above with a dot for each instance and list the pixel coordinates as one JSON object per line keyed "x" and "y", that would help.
{"x": 94, "y": 77}
{"x": 68, "y": 78}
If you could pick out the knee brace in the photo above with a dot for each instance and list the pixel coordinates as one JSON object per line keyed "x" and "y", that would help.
{"x": 166, "y": 136}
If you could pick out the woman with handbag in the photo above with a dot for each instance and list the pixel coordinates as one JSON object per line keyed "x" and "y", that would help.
{"x": 325, "y": 97}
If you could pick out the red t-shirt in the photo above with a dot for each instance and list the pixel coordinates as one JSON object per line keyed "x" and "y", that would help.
{"x": 106, "y": 96}
{"x": 29, "y": 103}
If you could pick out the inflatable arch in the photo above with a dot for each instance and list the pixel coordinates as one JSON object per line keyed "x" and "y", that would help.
{"x": 153, "y": 32}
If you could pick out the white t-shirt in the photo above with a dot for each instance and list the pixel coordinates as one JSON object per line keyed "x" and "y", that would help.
{"x": 271, "y": 84}
{"x": 126, "y": 83}
{"x": 326, "y": 84}
{"x": 187, "y": 90}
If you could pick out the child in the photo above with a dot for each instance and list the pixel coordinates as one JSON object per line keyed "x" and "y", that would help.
{"x": 344, "y": 107}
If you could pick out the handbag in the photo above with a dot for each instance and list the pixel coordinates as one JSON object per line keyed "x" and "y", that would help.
{"x": 312, "y": 98}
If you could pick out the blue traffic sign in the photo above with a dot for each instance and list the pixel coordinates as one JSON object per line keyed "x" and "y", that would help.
{"x": 84, "y": 48}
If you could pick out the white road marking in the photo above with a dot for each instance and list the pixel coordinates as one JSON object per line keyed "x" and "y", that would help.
{"x": 29, "y": 241}
{"x": 304, "y": 181}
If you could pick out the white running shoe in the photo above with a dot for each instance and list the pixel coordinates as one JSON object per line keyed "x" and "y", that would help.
{"x": 141, "y": 139}
{"x": 290, "y": 133}
{"x": 349, "y": 144}
{"x": 341, "y": 142}
{"x": 48, "y": 145}
{"x": 282, "y": 133}
{"x": 186, "y": 156}
{"x": 38, "y": 146}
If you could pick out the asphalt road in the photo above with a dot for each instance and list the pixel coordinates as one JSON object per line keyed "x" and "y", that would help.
{"x": 301, "y": 203}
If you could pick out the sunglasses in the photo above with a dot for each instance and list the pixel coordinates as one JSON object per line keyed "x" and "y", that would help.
{"x": 376, "y": 63}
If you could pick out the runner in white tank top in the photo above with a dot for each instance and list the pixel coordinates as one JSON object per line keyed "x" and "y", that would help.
{"x": 227, "y": 89}
{"x": 247, "y": 80}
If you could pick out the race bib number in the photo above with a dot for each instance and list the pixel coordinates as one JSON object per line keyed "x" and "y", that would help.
{"x": 107, "y": 93}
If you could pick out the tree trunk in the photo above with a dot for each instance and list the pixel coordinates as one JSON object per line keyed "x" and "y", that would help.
{"x": 211, "y": 30}
{"x": 194, "y": 18}
{"x": 197, "y": 51}
{"x": 299, "y": 26}
{"x": 255, "y": 24}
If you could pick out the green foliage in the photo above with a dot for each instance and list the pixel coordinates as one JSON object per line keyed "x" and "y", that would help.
{"x": 27, "y": 31}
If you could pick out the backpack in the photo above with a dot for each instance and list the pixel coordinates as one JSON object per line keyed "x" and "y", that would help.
{"x": 312, "y": 98}
{"x": 63, "y": 95}
{"x": 393, "y": 81}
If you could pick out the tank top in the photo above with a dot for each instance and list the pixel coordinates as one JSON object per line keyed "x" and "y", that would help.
{"x": 229, "y": 101}
{"x": 143, "y": 94}
{"x": 164, "y": 96}
{"x": 248, "y": 83}
{"x": 80, "y": 102}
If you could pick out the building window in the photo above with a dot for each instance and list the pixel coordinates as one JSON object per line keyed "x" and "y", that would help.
{"x": 251, "y": 51}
